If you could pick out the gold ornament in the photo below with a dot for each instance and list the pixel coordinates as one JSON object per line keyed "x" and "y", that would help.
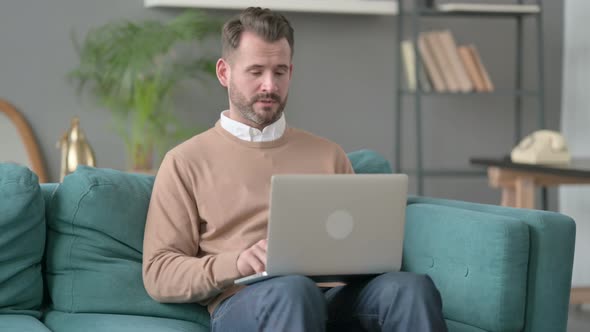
{"x": 75, "y": 149}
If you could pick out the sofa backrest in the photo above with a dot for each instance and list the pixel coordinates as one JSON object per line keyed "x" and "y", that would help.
{"x": 96, "y": 220}
{"x": 22, "y": 241}
{"x": 369, "y": 162}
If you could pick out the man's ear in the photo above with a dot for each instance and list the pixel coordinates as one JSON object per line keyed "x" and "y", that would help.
{"x": 223, "y": 72}
{"x": 290, "y": 71}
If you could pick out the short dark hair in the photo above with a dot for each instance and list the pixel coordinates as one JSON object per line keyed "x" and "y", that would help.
{"x": 265, "y": 23}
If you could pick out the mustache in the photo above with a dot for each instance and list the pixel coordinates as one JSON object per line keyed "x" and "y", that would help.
{"x": 272, "y": 96}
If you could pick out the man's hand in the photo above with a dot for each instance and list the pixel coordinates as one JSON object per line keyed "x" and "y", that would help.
{"x": 253, "y": 259}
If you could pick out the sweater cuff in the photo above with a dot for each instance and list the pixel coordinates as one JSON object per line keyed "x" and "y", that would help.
{"x": 225, "y": 269}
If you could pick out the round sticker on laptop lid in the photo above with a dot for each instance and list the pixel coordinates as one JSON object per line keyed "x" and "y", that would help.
{"x": 339, "y": 224}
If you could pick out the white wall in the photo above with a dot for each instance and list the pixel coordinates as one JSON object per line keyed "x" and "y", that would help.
{"x": 11, "y": 147}
{"x": 575, "y": 200}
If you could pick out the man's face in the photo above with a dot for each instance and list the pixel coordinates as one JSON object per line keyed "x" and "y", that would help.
{"x": 257, "y": 76}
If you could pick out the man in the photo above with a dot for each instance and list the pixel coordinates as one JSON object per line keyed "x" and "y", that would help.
{"x": 208, "y": 214}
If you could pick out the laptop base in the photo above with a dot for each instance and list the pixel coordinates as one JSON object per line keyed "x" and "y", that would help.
{"x": 349, "y": 278}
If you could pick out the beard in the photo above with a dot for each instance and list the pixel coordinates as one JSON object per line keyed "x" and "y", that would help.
{"x": 263, "y": 116}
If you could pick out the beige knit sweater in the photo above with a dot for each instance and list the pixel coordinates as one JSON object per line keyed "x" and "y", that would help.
{"x": 210, "y": 202}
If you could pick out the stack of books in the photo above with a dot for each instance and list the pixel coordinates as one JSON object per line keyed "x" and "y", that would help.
{"x": 444, "y": 66}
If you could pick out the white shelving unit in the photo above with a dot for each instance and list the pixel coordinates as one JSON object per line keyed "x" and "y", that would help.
{"x": 364, "y": 7}
{"x": 459, "y": 7}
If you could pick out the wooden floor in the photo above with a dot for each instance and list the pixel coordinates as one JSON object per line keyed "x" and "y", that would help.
{"x": 579, "y": 319}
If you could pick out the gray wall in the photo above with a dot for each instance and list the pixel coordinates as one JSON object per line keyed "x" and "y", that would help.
{"x": 343, "y": 85}
{"x": 575, "y": 118}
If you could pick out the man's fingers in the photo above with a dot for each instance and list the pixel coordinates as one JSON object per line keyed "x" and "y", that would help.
{"x": 261, "y": 245}
{"x": 258, "y": 267}
{"x": 255, "y": 262}
{"x": 254, "y": 258}
{"x": 260, "y": 254}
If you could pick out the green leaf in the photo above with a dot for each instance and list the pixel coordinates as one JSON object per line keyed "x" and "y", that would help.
{"x": 129, "y": 68}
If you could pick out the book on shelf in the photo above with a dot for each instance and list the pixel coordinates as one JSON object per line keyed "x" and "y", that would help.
{"x": 443, "y": 62}
{"x": 449, "y": 47}
{"x": 488, "y": 8}
{"x": 431, "y": 67}
{"x": 481, "y": 68}
{"x": 409, "y": 61}
{"x": 472, "y": 69}
{"x": 444, "y": 66}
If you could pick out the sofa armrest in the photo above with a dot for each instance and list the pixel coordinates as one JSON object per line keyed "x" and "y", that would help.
{"x": 460, "y": 238}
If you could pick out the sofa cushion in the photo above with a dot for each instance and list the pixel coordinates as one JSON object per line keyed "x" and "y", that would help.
{"x": 22, "y": 240}
{"x": 482, "y": 278}
{"x": 368, "y": 161}
{"x": 96, "y": 221}
{"x": 21, "y": 323}
{"x": 68, "y": 322}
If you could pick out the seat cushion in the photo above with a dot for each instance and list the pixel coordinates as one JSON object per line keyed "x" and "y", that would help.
{"x": 453, "y": 326}
{"x": 22, "y": 240}
{"x": 96, "y": 220}
{"x": 21, "y": 323}
{"x": 478, "y": 261}
{"x": 68, "y": 322}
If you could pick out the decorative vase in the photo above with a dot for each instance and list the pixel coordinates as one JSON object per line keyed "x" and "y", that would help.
{"x": 75, "y": 149}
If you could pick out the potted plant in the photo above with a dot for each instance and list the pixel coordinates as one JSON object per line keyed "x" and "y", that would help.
{"x": 131, "y": 69}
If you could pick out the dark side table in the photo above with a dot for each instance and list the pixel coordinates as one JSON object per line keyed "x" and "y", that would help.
{"x": 518, "y": 181}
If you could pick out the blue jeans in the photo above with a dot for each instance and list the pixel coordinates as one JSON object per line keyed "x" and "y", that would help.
{"x": 398, "y": 301}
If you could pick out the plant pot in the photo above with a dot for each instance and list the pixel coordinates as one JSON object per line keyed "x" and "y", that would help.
{"x": 143, "y": 158}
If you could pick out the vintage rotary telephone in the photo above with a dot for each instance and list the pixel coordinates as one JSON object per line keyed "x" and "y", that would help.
{"x": 542, "y": 147}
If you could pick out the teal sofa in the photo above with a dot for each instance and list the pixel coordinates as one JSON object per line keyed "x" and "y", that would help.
{"x": 70, "y": 257}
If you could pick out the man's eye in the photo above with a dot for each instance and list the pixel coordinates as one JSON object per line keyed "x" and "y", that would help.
{"x": 279, "y": 73}
{"x": 256, "y": 73}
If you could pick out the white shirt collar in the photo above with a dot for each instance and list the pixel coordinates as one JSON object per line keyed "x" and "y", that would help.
{"x": 242, "y": 131}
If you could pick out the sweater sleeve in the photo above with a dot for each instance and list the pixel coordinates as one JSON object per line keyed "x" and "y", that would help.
{"x": 343, "y": 164}
{"x": 172, "y": 269}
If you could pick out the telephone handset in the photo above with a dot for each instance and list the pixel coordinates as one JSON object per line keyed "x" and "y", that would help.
{"x": 542, "y": 147}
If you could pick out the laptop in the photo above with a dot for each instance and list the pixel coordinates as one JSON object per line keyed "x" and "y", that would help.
{"x": 334, "y": 227}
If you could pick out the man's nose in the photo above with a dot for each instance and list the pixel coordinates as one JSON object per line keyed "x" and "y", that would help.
{"x": 269, "y": 83}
